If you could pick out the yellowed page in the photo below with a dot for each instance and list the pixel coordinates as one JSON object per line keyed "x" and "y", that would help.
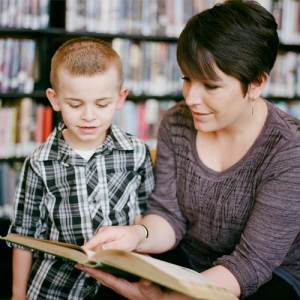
{"x": 64, "y": 250}
{"x": 169, "y": 275}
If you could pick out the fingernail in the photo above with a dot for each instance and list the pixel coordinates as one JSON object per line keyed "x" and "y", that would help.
{"x": 79, "y": 267}
{"x": 145, "y": 282}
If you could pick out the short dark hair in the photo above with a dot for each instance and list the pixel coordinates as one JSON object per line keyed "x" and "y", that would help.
{"x": 239, "y": 37}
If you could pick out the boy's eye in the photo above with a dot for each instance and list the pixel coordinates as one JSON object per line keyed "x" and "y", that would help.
{"x": 75, "y": 105}
{"x": 102, "y": 105}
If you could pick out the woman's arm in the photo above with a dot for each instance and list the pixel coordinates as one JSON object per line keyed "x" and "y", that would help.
{"x": 161, "y": 236}
{"x": 224, "y": 278}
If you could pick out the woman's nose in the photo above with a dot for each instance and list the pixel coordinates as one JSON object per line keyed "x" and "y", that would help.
{"x": 193, "y": 95}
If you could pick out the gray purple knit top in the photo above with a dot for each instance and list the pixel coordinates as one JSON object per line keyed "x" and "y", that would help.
{"x": 246, "y": 218}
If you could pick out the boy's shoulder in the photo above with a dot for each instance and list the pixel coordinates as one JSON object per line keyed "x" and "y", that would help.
{"x": 47, "y": 150}
{"x": 126, "y": 141}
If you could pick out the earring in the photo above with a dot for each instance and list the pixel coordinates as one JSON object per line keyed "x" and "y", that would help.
{"x": 252, "y": 106}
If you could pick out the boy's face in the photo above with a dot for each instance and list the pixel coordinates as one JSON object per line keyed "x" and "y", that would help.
{"x": 87, "y": 105}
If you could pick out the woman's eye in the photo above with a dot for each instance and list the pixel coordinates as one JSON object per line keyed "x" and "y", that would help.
{"x": 185, "y": 78}
{"x": 210, "y": 86}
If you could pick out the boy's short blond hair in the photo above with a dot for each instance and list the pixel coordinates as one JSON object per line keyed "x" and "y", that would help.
{"x": 84, "y": 56}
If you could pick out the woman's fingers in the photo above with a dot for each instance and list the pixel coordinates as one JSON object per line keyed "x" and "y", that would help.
{"x": 114, "y": 237}
{"x": 142, "y": 290}
{"x": 100, "y": 238}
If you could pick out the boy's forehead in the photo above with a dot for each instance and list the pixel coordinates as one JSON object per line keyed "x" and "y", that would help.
{"x": 81, "y": 72}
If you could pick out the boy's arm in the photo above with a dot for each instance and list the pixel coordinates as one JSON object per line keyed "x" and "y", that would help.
{"x": 22, "y": 262}
{"x": 146, "y": 186}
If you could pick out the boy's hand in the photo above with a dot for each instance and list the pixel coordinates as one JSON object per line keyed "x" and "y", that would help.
{"x": 19, "y": 297}
{"x": 117, "y": 237}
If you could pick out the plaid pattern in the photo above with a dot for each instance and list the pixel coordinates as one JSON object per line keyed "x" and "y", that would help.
{"x": 63, "y": 197}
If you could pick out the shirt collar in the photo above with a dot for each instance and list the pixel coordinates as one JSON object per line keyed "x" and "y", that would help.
{"x": 55, "y": 148}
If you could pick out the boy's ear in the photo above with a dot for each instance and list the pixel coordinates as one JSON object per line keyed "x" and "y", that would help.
{"x": 52, "y": 97}
{"x": 122, "y": 97}
{"x": 256, "y": 88}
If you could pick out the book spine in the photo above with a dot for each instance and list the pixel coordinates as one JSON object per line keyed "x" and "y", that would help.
{"x": 7, "y": 65}
{"x": 48, "y": 117}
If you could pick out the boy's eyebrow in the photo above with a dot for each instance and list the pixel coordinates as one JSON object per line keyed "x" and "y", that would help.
{"x": 99, "y": 99}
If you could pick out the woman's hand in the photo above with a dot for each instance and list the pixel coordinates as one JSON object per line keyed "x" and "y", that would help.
{"x": 142, "y": 290}
{"x": 124, "y": 238}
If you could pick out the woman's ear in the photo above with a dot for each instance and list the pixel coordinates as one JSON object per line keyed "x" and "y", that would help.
{"x": 122, "y": 97}
{"x": 256, "y": 88}
{"x": 52, "y": 97}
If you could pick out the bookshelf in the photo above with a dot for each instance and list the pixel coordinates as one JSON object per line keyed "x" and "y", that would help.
{"x": 135, "y": 28}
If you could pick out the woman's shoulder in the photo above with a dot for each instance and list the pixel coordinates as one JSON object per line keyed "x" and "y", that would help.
{"x": 179, "y": 115}
{"x": 179, "y": 108}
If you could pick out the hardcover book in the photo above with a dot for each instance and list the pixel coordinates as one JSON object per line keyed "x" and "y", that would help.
{"x": 174, "y": 277}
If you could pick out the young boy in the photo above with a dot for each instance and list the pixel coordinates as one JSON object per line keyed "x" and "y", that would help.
{"x": 87, "y": 175}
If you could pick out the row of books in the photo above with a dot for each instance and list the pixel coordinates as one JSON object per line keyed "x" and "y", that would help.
{"x": 291, "y": 107}
{"x": 141, "y": 17}
{"x": 284, "y": 79}
{"x": 150, "y": 68}
{"x": 30, "y": 14}
{"x": 9, "y": 175}
{"x": 142, "y": 118}
{"x": 164, "y": 17}
{"x": 24, "y": 124}
{"x": 18, "y": 65}
{"x": 287, "y": 14}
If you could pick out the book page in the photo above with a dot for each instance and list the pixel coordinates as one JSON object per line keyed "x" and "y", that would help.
{"x": 172, "y": 276}
{"x": 64, "y": 250}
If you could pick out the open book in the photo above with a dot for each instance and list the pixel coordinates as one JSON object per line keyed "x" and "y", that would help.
{"x": 174, "y": 277}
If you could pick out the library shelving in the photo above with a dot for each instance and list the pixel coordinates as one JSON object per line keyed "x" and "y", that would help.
{"x": 144, "y": 33}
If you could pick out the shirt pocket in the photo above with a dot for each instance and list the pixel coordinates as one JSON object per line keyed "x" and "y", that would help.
{"x": 122, "y": 188}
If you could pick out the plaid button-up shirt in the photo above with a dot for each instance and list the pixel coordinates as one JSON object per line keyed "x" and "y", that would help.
{"x": 63, "y": 197}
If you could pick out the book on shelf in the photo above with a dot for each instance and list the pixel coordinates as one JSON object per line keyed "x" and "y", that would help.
{"x": 136, "y": 17}
{"x": 24, "y": 125}
{"x": 48, "y": 117}
{"x": 7, "y": 65}
{"x": 33, "y": 14}
{"x": 171, "y": 276}
{"x": 148, "y": 114}
{"x": 8, "y": 180}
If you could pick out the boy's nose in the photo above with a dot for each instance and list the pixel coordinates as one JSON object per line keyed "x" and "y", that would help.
{"x": 88, "y": 113}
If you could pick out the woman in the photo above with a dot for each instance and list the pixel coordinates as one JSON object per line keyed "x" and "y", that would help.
{"x": 227, "y": 167}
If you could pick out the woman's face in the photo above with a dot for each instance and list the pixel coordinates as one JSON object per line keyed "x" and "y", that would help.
{"x": 216, "y": 105}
